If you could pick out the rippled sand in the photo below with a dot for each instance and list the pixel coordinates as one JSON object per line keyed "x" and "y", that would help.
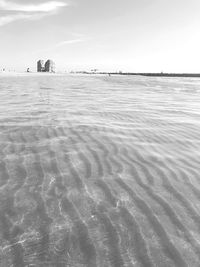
{"x": 99, "y": 171}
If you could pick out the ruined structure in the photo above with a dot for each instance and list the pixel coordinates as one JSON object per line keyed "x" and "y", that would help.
{"x": 40, "y": 66}
{"x": 49, "y": 66}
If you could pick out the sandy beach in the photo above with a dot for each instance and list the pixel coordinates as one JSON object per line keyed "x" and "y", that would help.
{"x": 99, "y": 171}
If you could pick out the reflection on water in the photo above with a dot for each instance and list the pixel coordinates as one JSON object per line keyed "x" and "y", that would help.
{"x": 99, "y": 171}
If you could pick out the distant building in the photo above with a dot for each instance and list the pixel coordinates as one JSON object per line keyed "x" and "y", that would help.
{"x": 49, "y": 66}
{"x": 40, "y": 66}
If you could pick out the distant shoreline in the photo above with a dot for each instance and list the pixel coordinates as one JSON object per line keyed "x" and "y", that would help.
{"x": 147, "y": 74}
{"x": 13, "y": 73}
{"x": 187, "y": 75}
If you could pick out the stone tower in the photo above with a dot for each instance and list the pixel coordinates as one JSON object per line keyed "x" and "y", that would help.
{"x": 49, "y": 66}
{"x": 40, "y": 66}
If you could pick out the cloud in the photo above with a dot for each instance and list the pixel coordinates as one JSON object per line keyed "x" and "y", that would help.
{"x": 74, "y": 41}
{"x": 11, "y": 18}
{"x": 8, "y": 19}
{"x": 43, "y": 7}
{"x": 16, "y": 11}
{"x": 57, "y": 45}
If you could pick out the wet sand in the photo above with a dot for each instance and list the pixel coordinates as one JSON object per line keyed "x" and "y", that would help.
{"x": 99, "y": 171}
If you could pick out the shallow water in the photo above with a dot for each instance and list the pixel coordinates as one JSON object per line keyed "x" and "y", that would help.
{"x": 99, "y": 171}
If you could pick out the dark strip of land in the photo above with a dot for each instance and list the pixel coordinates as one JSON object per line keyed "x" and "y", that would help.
{"x": 168, "y": 74}
{"x": 160, "y": 74}
{"x": 197, "y": 75}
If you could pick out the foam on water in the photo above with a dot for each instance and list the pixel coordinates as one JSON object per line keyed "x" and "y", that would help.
{"x": 99, "y": 171}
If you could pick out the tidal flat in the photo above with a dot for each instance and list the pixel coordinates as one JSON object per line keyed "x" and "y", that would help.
{"x": 99, "y": 171}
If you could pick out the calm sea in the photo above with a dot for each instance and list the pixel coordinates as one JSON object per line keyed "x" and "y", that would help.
{"x": 99, "y": 171}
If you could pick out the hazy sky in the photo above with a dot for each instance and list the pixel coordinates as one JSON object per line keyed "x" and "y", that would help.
{"x": 127, "y": 35}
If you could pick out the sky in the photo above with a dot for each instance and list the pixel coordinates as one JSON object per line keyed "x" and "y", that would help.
{"x": 109, "y": 35}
